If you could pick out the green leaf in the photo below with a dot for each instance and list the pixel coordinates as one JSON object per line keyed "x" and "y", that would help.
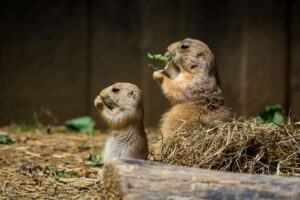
{"x": 83, "y": 125}
{"x": 96, "y": 159}
{"x": 63, "y": 174}
{"x": 150, "y": 56}
{"x": 5, "y": 139}
{"x": 279, "y": 118}
{"x": 158, "y": 57}
{"x": 26, "y": 128}
{"x": 271, "y": 125}
{"x": 74, "y": 147}
{"x": 268, "y": 113}
{"x": 271, "y": 114}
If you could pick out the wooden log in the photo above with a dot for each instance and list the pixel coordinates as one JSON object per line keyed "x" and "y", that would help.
{"x": 137, "y": 179}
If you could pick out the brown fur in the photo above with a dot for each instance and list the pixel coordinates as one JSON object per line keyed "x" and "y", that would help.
{"x": 190, "y": 84}
{"x": 122, "y": 110}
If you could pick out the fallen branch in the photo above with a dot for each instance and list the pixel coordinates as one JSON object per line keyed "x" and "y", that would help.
{"x": 137, "y": 179}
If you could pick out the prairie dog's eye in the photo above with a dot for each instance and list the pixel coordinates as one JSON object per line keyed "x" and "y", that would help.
{"x": 184, "y": 46}
{"x": 115, "y": 90}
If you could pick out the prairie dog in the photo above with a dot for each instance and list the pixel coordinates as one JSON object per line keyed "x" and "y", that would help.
{"x": 190, "y": 84}
{"x": 121, "y": 106}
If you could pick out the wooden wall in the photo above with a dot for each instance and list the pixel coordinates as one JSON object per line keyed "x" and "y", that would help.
{"x": 60, "y": 54}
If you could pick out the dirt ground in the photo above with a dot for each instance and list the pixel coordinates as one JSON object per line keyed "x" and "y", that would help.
{"x": 38, "y": 165}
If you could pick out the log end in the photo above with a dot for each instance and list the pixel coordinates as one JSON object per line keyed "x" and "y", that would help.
{"x": 112, "y": 189}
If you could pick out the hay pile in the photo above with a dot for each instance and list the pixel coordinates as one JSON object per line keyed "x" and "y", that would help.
{"x": 237, "y": 146}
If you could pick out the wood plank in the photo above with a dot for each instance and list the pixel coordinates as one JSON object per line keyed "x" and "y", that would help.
{"x": 115, "y": 46}
{"x": 137, "y": 179}
{"x": 44, "y": 49}
{"x": 266, "y": 62}
{"x": 295, "y": 60}
{"x": 42, "y": 59}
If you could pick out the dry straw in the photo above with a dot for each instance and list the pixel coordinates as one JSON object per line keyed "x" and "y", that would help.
{"x": 238, "y": 146}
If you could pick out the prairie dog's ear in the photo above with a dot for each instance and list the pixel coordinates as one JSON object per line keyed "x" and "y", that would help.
{"x": 201, "y": 56}
{"x": 134, "y": 93}
{"x": 131, "y": 93}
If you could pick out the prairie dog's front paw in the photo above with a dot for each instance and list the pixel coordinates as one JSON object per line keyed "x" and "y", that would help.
{"x": 98, "y": 102}
{"x": 158, "y": 76}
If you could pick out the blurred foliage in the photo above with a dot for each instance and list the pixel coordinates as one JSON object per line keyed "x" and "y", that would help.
{"x": 63, "y": 174}
{"x": 82, "y": 124}
{"x": 96, "y": 159}
{"x": 26, "y": 128}
{"x": 272, "y": 115}
{"x": 5, "y": 139}
{"x": 74, "y": 148}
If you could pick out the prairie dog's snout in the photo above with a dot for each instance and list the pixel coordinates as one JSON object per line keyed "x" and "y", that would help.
{"x": 108, "y": 102}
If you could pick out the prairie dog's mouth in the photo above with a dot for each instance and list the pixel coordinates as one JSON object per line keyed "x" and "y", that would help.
{"x": 172, "y": 69}
{"x": 108, "y": 103}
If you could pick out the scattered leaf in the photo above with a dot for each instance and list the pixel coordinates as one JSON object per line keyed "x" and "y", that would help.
{"x": 74, "y": 148}
{"x": 63, "y": 174}
{"x": 158, "y": 57}
{"x": 26, "y": 165}
{"x": 2, "y": 157}
{"x": 96, "y": 159}
{"x": 81, "y": 183}
{"x": 67, "y": 180}
{"x": 32, "y": 154}
{"x": 5, "y": 139}
{"x": 83, "y": 125}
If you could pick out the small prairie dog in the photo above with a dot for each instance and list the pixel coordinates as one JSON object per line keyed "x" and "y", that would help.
{"x": 190, "y": 84}
{"x": 121, "y": 106}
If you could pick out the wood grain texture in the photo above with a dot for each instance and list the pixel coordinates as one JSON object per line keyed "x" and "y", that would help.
{"x": 42, "y": 59}
{"x": 266, "y": 62}
{"x": 295, "y": 60}
{"x": 115, "y": 46}
{"x": 60, "y": 54}
{"x": 137, "y": 179}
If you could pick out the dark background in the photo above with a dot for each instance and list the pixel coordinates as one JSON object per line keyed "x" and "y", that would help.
{"x": 58, "y": 54}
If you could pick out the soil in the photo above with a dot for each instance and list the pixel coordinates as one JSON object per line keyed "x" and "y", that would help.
{"x": 38, "y": 165}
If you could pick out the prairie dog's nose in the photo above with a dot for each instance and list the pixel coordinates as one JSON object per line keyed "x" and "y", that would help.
{"x": 104, "y": 96}
{"x": 104, "y": 93}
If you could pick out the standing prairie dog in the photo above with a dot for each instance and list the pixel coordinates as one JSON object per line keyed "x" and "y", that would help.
{"x": 190, "y": 83}
{"x": 121, "y": 106}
